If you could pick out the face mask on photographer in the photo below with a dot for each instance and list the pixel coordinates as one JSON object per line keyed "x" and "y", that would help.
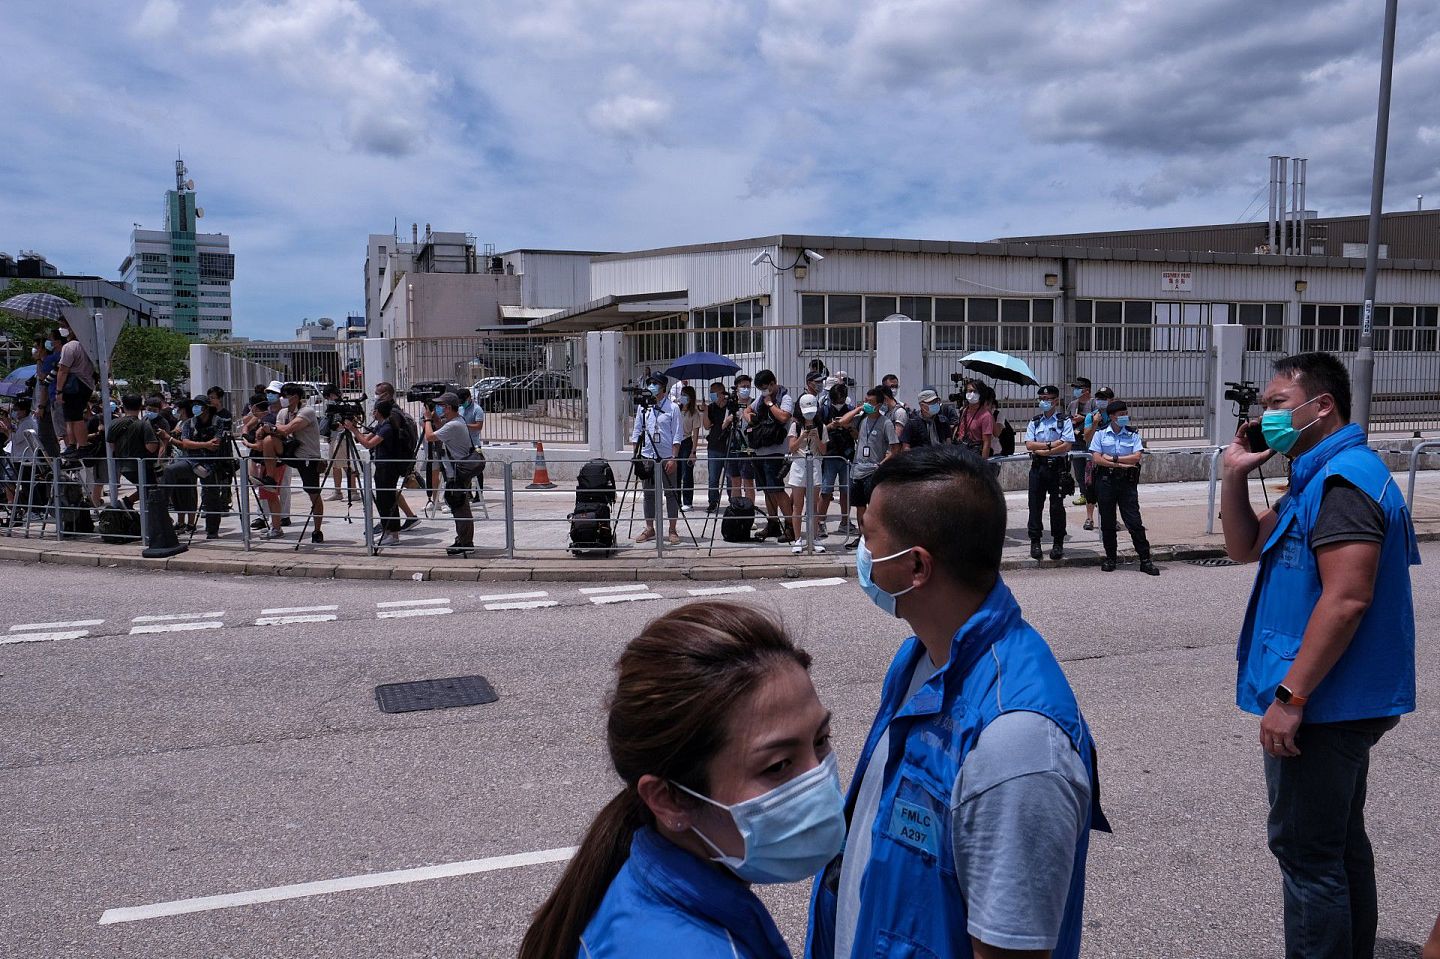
{"x": 809, "y": 414}
{"x": 934, "y": 409}
{"x": 440, "y": 409}
{"x": 716, "y": 397}
{"x": 272, "y": 397}
{"x": 654, "y": 389}
{"x": 49, "y": 344}
{"x": 197, "y": 409}
{"x": 743, "y": 392}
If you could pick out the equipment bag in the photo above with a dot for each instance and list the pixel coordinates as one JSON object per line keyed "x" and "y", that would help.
{"x": 590, "y": 528}
{"x": 1006, "y": 436}
{"x": 737, "y": 520}
{"x": 119, "y": 524}
{"x": 595, "y": 485}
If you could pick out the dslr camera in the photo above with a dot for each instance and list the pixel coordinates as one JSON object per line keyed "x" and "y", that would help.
{"x": 1244, "y": 394}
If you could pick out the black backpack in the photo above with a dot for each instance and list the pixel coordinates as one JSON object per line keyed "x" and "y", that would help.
{"x": 119, "y": 524}
{"x": 590, "y": 529}
{"x": 736, "y": 522}
{"x": 595, "y": 485}
{"x": 1006, "y": 437}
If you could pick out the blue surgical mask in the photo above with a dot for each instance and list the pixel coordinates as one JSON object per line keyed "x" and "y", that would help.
{"x": 1122, "y": 421}
{"x": 790, "y": 832}
{"x": 440, "y": 411}
{"x": 934, "y": 409}
{"x": 1278, "y": 426}
{"x": 152, "y": 415}
{"x": 1046, "y": 406}
{"x": 654, "y": 389}
{"x": 1077, "y": 392}
{"x": 197, "y": 409}
{"x": 49, "y": 344}
{"x": 864, "y": 562}
{"x": 743, "y": 392}
{"x": 272, "y": 397}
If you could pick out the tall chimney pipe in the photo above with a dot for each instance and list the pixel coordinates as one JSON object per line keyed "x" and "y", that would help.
{"x": 1270, "y": 223}
{"x": 1284, "y": 219}
{"x": 1304, "y": 227}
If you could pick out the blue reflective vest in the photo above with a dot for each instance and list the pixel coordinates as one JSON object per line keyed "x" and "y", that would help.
{"x": 1375, "y": 676}
{"x": 911, "y": 903}
{"x": 666, "y": 902}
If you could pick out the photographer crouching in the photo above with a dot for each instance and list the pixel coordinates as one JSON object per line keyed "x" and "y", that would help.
{"x": 392, "y": 449}
{"x": 200, "y": 456}
{"x": 461, "y": 462}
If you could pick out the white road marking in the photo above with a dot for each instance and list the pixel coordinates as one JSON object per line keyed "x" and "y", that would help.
{"x": 624, "y": 598}
{"x": 721, "y": 590}
{"x": 395, "y": 603}
{"x": 531, "y": 604}
{"x": 175, "y": 627}
{"x": 635, "y": 588}
{"x": 807, "y": 583}
{"x": 28, "y": 627}
{"x": 537, "y": 594}
{"x": 287, "y": 610}
{"x": 176, "y": 616}
{"x": 374, "y": 880}
{"x": 406, "y": 613}
{"x": 44, "y": 637}
{"x": 292, "y": 620}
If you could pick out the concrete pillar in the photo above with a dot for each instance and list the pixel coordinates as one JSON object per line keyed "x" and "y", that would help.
{"x": 200, "y": 376}
{"x": 900, "y": 349}
{"x": 1227, "y": 366}
{"x": 607, "y": 406}
{"x": 378, "y": 362}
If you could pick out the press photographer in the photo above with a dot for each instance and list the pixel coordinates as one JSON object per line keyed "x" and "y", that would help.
{"x": 391, "y": 442}
{"x": 460, "y": 462}
{"x": 657, "y": 439}
{"x": 332, "y": 430}
{"x": 202, "y": 454}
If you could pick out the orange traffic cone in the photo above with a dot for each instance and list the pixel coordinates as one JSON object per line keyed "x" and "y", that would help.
{"x": 542, "y": 472}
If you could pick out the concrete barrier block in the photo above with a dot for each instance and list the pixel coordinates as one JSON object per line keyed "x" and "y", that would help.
{"x": 61, "y": 558}
{"x": 21, "y": 553}
{"x": 362, "y": 572}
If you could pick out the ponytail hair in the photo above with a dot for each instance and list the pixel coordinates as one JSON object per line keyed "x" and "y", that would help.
{"x": 677, "y": 688}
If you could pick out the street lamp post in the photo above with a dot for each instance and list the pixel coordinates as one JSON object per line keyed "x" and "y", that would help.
{"x": 1365, "y": 362}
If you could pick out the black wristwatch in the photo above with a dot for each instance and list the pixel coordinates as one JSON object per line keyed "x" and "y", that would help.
{"x": 1283, "y": 694}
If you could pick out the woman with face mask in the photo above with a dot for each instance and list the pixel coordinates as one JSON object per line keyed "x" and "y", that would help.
{"x": 729, "y": 780}
{"x": 976, "y": 429}
{"x": 691, "y": 420}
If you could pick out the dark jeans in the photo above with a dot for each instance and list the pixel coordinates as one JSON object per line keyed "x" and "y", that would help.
{"x": 715, "y": 470}
{"x": 457, "y": 497}
{"x": 1119, "y": 488}
{"x": 387, "y": 495}
{"x": 1045, "y": 482}
{"x": 1317, "y": 832}
{"x": 685, "y": 472}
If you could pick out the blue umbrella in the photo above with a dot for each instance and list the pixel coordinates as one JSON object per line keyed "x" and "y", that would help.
{"x": 17, "y": 381}
{"x": 702, "y": 366}
{"x": 1000, "y": 366}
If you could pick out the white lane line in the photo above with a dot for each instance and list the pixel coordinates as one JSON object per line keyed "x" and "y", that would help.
{"x": 30, "y": 627}
{"x": 624, "y": 598}
{"x": 175, "y": 627}
{"x": 807, "y": 583}
{"x": 288, "y": 610}
{"x": 292, "y": 620}
{"x": 721, "y": 590}
{"x": 530, "y": 604}
{"x": 396, "y": 603}
{"x": 175, "y": 617}
{"x": 406, "y": 613}
{"x": 636, "y": 588}
{"x": 500, "y": 597}
{"x": 374, "y": 880}
{"x": 44, "y": 637}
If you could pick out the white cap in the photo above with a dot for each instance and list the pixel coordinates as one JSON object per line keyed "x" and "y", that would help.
{"x": 808, "y": 404}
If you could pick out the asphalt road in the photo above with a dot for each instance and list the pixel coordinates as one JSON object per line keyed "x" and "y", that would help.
{"x": 200, "y": 760}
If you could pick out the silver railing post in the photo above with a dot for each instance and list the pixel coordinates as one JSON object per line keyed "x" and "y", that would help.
{"x": 1415, "y": 465}
{"x": 1214, "y": 478}
{"x": 242, "y": 477}
{"x": 142, "y": 501}
{"x": 509, "y": 476}
{"x": 367, "y": 507}
{"x": 55, "y": 499}
{"x": 661, "y": 517}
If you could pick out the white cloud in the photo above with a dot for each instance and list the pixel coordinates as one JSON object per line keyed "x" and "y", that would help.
{"x": 157, "y": 18}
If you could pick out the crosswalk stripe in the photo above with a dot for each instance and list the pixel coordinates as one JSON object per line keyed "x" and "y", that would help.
{"x": 396, "y": 603}
{"x": 29, "y": 627}
{"x": 407, "y": 613}
{"x": 623, "y": 598}
{"x": 530, "y": 604}
{"x": 173, "y": 617}
{"x": 176, "y": 627}
{"x": 500, "y": 597}
{"x": 289, "y": 610}
{"x": 721, "y": 590}
{"x": 292, "y": 620}
{"x": 633, "y": 588}
{"x": 44, "y": 637}
{"x": 807, "y": 583}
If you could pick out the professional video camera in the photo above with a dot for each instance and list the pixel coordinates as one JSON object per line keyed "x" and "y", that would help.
{"x": 640, "y": 395}
{"x": 431, "y": 391}
{"x": 345, "y": 411}
{"x": 1244, "y": 393}
{"x": 958, "y": 397}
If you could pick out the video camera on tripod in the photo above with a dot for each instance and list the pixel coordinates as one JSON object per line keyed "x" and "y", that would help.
{"x": 431, "y": 391}
{"x": 339, "y": 412}
{"x": 960, "y": 396}
{"x": 640, "y": 395}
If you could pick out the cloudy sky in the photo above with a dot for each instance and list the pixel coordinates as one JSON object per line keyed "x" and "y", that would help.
{"x": 625, "y": 124}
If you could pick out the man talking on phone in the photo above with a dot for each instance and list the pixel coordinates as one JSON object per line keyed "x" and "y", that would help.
{"x": 1327, "y": 649}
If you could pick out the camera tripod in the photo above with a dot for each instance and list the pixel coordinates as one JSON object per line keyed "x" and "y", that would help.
{"x": 346, "y": 458}
{"x": 634, "y": 488}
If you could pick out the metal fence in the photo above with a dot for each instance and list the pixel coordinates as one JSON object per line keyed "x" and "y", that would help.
{"x": 1407, "y": 381}
{"x": 341, "y": 363}
{"x": 532, "y": 387}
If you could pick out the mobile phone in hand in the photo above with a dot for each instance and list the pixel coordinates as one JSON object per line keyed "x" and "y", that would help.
{"x": 1256, "y": 438}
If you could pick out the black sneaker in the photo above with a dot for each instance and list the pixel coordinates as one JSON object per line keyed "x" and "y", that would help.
{"x": 712, "y": 509}
{"x": 1148, "y": 568}
{"x": 284, "y": 522}
{"x": 258, "y": 524}
{"x": 317, "y": 537}
{"x": 852, "y": 544}
{"x": 1108, "y": 566}
{"x": 459, "y": 549}
{"x": 1035, "y": 551}
{"x": 1058, "y": 550}
{"x": 378, "y": 528}
{"x": 410, "y": 523}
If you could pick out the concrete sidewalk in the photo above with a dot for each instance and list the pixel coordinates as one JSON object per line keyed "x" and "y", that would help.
{"x": 1174, "y": 516}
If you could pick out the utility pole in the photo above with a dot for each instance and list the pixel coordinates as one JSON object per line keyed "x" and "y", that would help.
{"x": 1364, "y": 379}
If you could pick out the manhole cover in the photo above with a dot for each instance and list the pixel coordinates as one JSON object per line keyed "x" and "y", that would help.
{"x": 1213, "y": 562}
{"x": 434, "y": 694}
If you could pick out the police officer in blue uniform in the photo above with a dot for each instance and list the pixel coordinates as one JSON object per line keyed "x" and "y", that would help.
{"x": 1327, "y": 650}
{"x": 1048, "y": 438}
{"x": 1116, "y": 452}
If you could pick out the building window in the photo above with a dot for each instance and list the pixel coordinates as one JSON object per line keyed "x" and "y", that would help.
{"x": 1397, "y": 329}
{"x": 730, "y": 329}
{"x": 1264, "y": 326}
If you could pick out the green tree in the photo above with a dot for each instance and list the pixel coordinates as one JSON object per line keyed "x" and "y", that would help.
{"x": 18, "y": 330}
{"x": 144, "y": 354}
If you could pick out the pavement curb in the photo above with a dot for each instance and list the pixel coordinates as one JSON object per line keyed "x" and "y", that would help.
{"x": 551, "y": 571}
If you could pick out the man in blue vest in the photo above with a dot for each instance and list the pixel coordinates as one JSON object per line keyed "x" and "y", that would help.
{"x": 971, "y": 807}
{"x": 1327, "y": 649}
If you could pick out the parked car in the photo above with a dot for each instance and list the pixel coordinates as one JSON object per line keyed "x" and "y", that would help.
{"x": 518, "y": 392}
{"x": 481, "y": 389}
